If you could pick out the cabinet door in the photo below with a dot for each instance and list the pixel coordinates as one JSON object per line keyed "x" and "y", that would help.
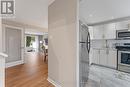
{"x": 112, "y": 58}
{"x": 98, "y": 32}
{"x": 110, "y": 31}
{"x": 91, "y": 32}
{"x": 95, "y": 58}
{"x": 122, "y": 25}
{"x": 91, "y": 56}
{"x": 103, "y": 57}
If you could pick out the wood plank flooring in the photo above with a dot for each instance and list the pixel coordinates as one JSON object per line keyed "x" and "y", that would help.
{"x": 31, "y": 74}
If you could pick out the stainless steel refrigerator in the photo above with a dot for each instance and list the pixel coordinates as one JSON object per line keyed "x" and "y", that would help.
{"x": 84, "y": 48}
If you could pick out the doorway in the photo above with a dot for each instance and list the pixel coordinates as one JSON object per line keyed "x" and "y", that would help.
{"x": 32, "y": 43}
{"x": 13, "y": 45}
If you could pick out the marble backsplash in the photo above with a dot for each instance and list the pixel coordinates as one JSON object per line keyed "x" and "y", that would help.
{"x": 106, "y": 43}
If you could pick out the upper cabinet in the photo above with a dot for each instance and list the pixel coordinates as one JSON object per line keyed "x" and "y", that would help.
{"x": 110, "y": 31}
{"x": 122, "y": 25}
{"x": 98, "y": 32}
{"x": 91, "y": 32}
{"x": 106, "y": 31}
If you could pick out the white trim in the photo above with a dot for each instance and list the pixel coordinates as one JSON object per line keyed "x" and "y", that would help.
{"x": 22, "y": 39}
{"x": 3, "y": 55}
{"x": 11, "y": 64}
{"x": 77, "y": 50}
{"x": 53, "y": 82}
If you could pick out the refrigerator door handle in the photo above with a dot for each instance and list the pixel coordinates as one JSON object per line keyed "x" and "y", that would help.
{"x": 82, "y": 42}
{"x": 88, "y": 42}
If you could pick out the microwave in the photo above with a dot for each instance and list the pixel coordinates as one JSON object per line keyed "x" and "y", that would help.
{"x": 123, "y": 34}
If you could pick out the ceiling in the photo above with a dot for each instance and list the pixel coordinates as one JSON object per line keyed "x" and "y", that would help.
{"x": 95, "y": 11}
{"x": 32, "y": 12}
{"x": 35, "y": 12}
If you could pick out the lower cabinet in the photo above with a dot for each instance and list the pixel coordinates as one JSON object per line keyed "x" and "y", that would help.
{"x": 112, "y": 58}
{"x": 105, "y": 57}
{"x": 96, "y": 56}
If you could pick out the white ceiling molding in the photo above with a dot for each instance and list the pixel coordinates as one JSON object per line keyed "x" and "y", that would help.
{"x": 34, "y": 32}
{"x": 25, "y": 26}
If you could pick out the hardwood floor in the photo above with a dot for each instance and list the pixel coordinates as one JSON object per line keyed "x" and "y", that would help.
{"x": 31, "y": 74}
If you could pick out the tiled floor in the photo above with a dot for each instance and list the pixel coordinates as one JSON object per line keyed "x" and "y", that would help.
{"x": 106, "y": 77}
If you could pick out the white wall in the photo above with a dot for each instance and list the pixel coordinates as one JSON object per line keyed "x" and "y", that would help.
{"x": 0, "y": 35}
{"x": 2, "y": 61}
{"x": 29, "y": 28}
{"x": 62, "y": 42}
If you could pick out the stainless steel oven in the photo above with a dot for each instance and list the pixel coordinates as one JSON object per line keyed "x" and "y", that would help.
{"x": 124, "y": 61}
{"x": 123, "y": 34}
{"x": 124, "y": 57}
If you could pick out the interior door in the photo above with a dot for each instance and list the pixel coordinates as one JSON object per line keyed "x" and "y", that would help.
{"x": 13, "y": 44}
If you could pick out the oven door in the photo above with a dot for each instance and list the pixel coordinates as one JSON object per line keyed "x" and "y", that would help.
{"x": 124, "y": 61}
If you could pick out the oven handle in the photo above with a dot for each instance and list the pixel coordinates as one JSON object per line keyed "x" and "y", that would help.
{"x": 123, "y": 51}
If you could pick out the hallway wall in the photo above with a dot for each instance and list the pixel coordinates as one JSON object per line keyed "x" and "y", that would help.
{"x": 62, "y": 42}
{"x": 2, "y": 60}
{"x": 0, "y": 35}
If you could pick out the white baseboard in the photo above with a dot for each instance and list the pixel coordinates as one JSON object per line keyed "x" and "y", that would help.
{"x": 53, "y": 82}
{"x": 11, "y": 64}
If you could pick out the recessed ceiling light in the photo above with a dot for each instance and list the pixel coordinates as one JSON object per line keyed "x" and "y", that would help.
{"x": 90, "y": 15}
{"x": 112, "y": 17}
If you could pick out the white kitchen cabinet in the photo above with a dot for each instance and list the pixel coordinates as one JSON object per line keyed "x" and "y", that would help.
{"x": 103, "y": 58}
{"x": 109, "y": 31}
{"x": 106, "y": 31}
{"x": 98, "y": 32}
{"x": 96, "y": 56}
{"x": 122, "y": 25}
{"x": 112, "y": 59}
{"x": 91, "y": 56}
{"x": 91, "y": 32}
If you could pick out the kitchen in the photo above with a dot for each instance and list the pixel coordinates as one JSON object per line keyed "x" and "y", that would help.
{"x": 104, "y": 40}
{"x": 107, "y": 41}
{"x": 92, "y": 52}
{"x": 109, "y": 55}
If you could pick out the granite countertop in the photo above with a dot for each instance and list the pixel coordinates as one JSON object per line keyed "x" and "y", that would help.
{"x": 104, "y": 48}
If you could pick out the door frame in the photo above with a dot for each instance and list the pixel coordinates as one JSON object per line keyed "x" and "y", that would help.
{"x": 22, "y": 44}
